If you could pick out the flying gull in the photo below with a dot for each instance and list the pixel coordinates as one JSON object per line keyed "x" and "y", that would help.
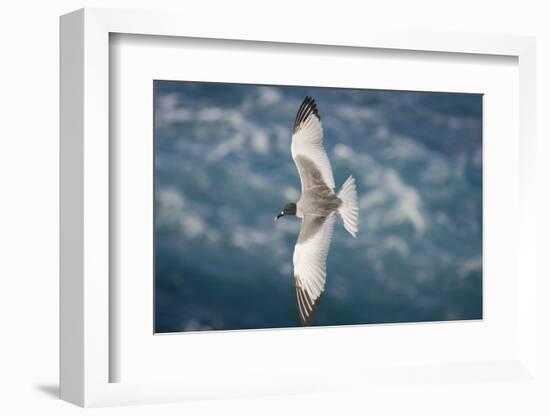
{"x": 317, "y": 208}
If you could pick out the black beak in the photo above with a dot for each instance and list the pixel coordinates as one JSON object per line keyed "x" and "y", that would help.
{"x": 279, "y": 215}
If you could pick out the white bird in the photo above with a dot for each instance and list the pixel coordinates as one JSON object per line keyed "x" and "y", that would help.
{"x": 317, "y": 207}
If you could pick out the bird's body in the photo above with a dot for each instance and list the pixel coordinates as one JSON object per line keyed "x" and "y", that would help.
{"x": 317, "y": 206}
{"x": 317, "y": 198}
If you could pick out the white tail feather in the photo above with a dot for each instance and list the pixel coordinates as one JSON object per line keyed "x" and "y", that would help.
{"x": 349, "y": 210}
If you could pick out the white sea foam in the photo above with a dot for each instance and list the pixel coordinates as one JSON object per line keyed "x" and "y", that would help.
{"x": 268, "y": 96}
{"x": 173, "y": 211}
{"x": 169, "y": 111}
{"x": 356, "y": 114}
{"x": 260, "y": 142}
{"x": 389, "y": 200}
{"x": 343, "y": 151}
{"x": 291, "y": 194}
{"x": 437, "y": 171}
{"x": 192, "y": 225}
{"x": 403, "y": 148}
{"x": 408, "y": 206}
{"x": 170, "y": 206}
{"x": 471, "y": 265}
{"x": 246, "y": 133}
{"x": 225, "y": 147}
{"x": 396, "y": 244}
{"x": 372, "y": 199}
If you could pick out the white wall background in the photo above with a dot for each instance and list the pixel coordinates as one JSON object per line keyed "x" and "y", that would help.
{"x": 29, "y": 201}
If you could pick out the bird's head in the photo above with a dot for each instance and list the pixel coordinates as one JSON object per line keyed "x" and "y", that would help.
{"x": 289, "y": 209}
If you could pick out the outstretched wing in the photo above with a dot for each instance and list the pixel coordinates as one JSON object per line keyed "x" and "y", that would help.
{"x": 307, "y": 144}
{"x": 310, "y": 255}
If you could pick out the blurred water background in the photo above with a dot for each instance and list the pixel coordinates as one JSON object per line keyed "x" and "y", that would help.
{"x": 223, "y": 170}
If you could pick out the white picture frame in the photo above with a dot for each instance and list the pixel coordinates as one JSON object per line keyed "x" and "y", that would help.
{"x": 86, "y": 355}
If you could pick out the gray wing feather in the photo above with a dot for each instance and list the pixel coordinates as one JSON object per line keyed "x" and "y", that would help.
{"x": 310, "y": 254}
{"x": 307, "y": 140}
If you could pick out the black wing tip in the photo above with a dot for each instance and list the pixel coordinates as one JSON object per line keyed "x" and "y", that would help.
{"x": 310, "y": 102}
{"x": 307, "y": 108}
{"x": 307, "y": 317}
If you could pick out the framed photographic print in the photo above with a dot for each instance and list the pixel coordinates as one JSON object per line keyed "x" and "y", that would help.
{"x": 319, "y": 199}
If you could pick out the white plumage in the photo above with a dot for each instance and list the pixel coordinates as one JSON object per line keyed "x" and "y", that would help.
{"x": 317, "y": 207}
{"x": 308, "y": 141}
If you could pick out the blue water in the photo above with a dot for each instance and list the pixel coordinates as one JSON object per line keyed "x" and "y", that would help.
{"x": 223, "y": 170}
